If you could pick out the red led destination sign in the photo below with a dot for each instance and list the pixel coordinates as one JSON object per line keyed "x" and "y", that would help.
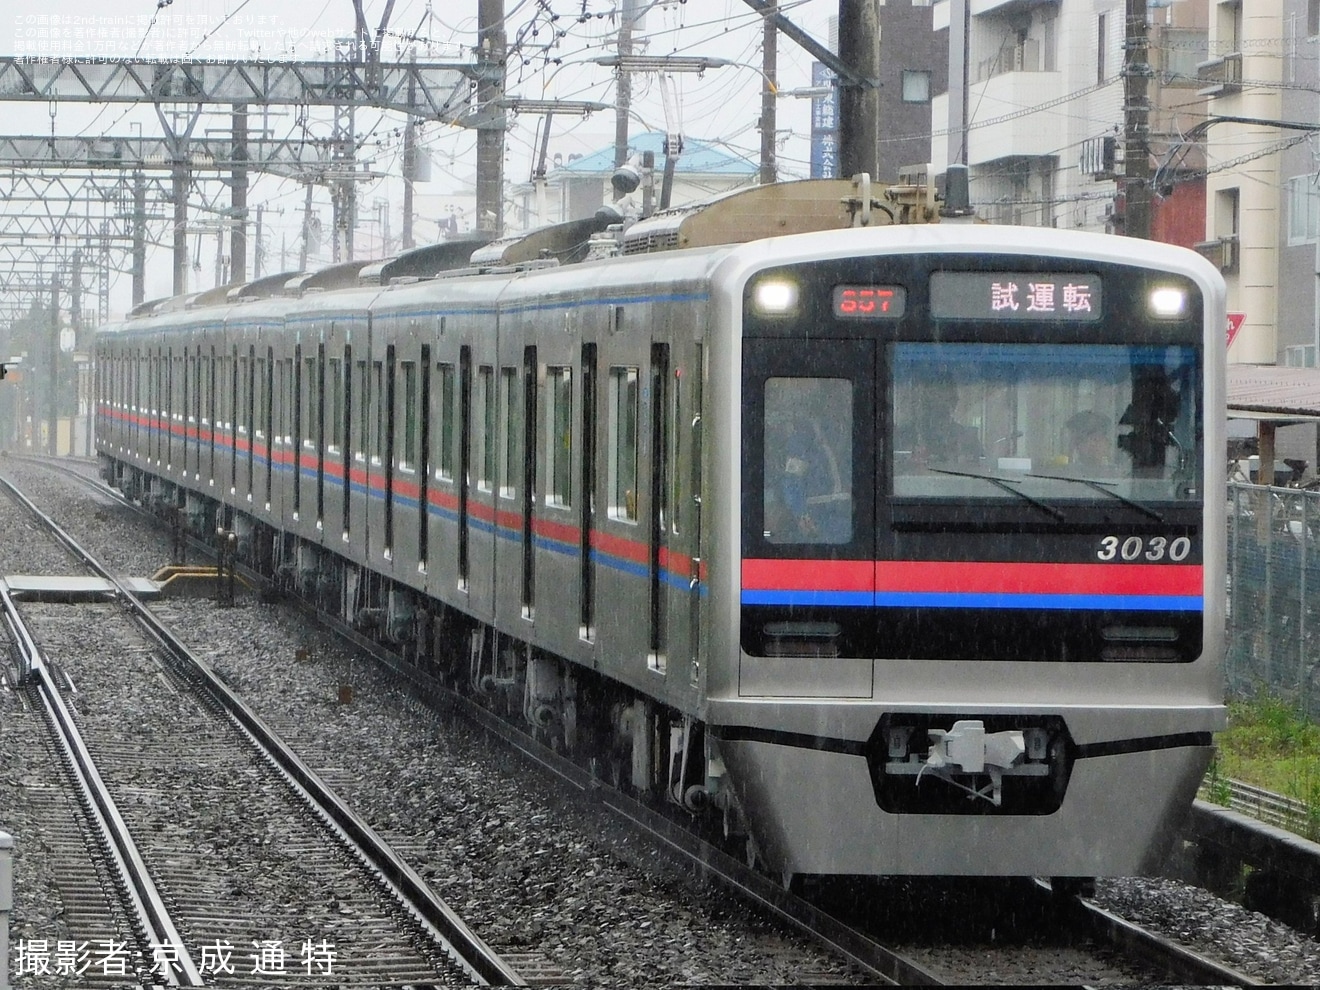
{"x": 869, "y": 302}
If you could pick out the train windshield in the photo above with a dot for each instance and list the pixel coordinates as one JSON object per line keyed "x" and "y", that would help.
{"x": 1015, "y": 422}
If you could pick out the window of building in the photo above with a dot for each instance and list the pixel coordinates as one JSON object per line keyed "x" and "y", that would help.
{"x": 1303, "y": 209}
{"x": 916, "y": 86}
{"x": 1102, "y": 40}
{"x": 1299, "y": 356}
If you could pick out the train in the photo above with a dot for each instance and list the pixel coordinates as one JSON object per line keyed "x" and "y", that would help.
{"x": 873, "y": 544}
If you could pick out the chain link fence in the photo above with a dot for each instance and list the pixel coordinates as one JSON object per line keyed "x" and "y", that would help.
{"x": 1274, "y": 594}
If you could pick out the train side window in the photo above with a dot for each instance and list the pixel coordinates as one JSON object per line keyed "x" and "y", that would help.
{"x": 408, "y": 455}
{"x": 622, "y": 466}
{"x": 377, "y": 414}
{"x": 241, "y": 387}
{"x": 334, "y": 403}
{"x": 364, "y": 413}
{"x": 559, "y": 437}
{"x": 259, "y": 397}
{"x": 509, "y": 425}
{"x": 444, "y": 417}
{"x": 311, "y": 397}
{"x": 485, "y": 429}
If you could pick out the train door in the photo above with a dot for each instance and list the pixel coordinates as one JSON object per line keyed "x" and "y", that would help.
{"x": 587, "y": 507}
{"x": 809, "y": 474}
{"x": 661, "y": 523}
{"x": 530, "y": 410}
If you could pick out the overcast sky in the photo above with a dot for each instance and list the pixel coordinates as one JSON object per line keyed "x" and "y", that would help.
{"x": 550, "y": 59}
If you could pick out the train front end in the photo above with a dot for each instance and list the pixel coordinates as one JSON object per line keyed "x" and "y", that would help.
{"x": 970, "y": 618}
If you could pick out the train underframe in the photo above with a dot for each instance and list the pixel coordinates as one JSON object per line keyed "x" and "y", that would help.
{"x": 648, "y": 750}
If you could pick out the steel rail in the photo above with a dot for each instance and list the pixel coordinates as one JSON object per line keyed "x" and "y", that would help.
{"x": 1179, "y": 962}
{"x": 462, "y": 945}
{"x": 145, "y": 900}
{"x": 879, "y": 962}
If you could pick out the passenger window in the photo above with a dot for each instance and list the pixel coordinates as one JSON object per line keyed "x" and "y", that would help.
{"x": 485, "y": 438}
{"x": 559, "y": 437}
{"x": 623, "y": 399}
{"x": 445, "y": 421}
{"x": 408, "y": 456}
{"x": 509, "y": 459}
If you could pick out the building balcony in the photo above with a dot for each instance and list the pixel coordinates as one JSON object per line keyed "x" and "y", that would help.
{"x": 1220, "y": 76}
{"x": 1030, "y": 135}
{"x": 1221, "y": 252}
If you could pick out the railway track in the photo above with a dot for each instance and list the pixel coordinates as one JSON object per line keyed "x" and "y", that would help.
{"x": 862, "y": 948}
{"x": 274, "y": 878}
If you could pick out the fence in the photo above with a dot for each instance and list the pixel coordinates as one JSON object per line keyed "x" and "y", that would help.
{"x": 1274, "y": 594}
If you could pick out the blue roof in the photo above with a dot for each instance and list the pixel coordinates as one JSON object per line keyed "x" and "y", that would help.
{"x": 697, "y": 156}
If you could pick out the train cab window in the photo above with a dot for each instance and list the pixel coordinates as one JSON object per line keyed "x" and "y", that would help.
{"x": 622, "y": 466}
{"x": 808, "y": 460}
{"x": 508, "y": 424}
{"x": 444, "y": 420}
{"x": 485, "y": 429}
{"x": 408, "y": 455}
{"x": 1019, "y": 422}
{"x": 559, "y": 437}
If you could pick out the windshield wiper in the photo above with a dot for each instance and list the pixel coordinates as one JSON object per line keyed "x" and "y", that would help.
{"x": 1003, "y": 483}
{"x": 1100, "y": 487}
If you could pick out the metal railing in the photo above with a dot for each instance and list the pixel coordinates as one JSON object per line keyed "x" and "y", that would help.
{"x": 1274, "y": 594}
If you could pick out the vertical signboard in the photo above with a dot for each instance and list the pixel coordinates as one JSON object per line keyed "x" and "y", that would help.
{"x": 824, "y": 124}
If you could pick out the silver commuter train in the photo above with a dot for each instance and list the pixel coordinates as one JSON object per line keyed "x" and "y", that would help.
{"x": 893, "y": 550}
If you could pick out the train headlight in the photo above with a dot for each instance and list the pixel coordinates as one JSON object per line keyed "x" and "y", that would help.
{"x": 775, "y": 297}
{"x": 1167, "y": 303}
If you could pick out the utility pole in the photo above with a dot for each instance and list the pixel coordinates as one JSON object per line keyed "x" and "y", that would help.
{"x": 180, "y": 243}
{"x": 409, "y": 176}
{"x": 959, "y": 29}
{"x": 1136, "y": 123}
{"x": 623, "y": 85}
{"x": 53, "y": 394}
{"x": 258, "y": 255}
{"x": 491, "y": 45}
{"x": 139, "y": 237}
{"x": 769, "y": 52}
{"x": 306, "y": 230}
{"x": 859, "y": 105}
{"x": 238, "y": 191}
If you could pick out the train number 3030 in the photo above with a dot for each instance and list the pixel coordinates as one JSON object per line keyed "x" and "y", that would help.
{"x": 1138, "y": 548}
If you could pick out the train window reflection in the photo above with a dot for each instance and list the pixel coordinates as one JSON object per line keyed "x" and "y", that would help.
{"x": 1040, "y": 418}
{"x": 559, "y": 439}
{"x": 624, "y": 404}
{"x": 808, "y": 460}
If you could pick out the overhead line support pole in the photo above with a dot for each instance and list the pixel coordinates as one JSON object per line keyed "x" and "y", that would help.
{"x": 1136, "y": 123}
{"x": 491, "y": 51}
{"x": 769, "y": 55}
